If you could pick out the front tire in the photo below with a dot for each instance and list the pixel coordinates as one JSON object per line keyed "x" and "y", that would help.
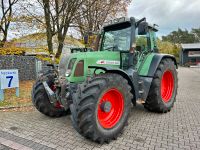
{"x": 101, "y": 107}
{"x": 163, "y": 90}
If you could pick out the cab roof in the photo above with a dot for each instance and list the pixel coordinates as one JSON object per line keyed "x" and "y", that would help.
{"x": 124, "y": 21}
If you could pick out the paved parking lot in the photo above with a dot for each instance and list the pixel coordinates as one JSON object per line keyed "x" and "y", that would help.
{"x": 178, "y": 129}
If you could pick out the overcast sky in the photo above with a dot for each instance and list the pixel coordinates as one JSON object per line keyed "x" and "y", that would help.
{"x": 168, "y": 14}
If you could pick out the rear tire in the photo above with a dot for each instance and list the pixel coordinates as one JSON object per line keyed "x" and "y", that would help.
{"x": 87, "y": 114}
{"x": 163, "y": 90}
{"x": 40, "y": 98}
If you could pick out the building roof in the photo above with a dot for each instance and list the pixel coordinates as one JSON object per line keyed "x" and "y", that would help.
{"x": 191, "y": 46}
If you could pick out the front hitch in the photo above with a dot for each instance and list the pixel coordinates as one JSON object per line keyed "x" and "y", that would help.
{"x": 64, "y": 95}
{"x": 50, "y": 93}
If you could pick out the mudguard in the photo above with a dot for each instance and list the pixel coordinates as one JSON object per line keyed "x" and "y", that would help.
{"x": 131, "y": 75}
{"x": 156, "y": 61}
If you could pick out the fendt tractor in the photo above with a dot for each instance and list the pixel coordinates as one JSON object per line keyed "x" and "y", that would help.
{"x": 98, "y": 86}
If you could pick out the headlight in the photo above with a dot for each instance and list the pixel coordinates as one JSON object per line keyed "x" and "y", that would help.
{"x": 70, "y": 67}
{"x": 68, "y": 72}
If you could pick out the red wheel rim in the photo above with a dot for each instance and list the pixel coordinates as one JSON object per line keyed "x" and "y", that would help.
{"x": 110, "y": 119}
{"x": 167, "y": 86}
{"x": 58, "y": 105}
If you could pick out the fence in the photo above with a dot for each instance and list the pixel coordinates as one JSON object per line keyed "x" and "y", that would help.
{"x": 28, "y": 66}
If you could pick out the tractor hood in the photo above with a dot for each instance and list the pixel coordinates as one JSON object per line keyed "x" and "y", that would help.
{"x": 98, "y": 58}
{"x": 77, "y": 63}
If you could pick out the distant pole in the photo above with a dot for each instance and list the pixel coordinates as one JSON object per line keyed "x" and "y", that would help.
{"x": 17, "y": 91}
{"x": 1, "y": 95}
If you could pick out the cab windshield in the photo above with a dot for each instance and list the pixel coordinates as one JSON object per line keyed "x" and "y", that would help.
{"x": 117, "y": 40}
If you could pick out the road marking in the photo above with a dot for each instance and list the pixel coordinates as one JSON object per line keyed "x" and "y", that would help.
{"x": 13, "y": 145}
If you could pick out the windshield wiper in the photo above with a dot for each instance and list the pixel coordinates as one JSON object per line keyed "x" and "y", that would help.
{"x": 112, "y": 47}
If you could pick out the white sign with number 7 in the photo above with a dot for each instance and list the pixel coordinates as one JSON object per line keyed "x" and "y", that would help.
{"x": 9, "y": 79}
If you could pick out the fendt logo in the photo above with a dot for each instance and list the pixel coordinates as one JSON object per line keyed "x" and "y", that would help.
{"x": 108, "y": 62}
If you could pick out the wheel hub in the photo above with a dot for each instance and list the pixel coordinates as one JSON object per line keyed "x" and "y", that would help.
{"x": 110, "y": 108}
{"x": 106, "y": 106}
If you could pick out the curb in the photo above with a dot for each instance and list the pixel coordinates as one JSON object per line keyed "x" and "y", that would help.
{"x": 13, "y": 107}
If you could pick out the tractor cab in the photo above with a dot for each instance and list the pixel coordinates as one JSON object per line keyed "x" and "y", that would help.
{"x": 123, "y": 34}
{"x": 132, "y": 38}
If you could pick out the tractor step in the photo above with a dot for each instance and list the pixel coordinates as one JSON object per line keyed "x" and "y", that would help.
{"x": 140, "y": 82}
{"x": 141, "y": 92}
{"x": 141, "y": 89}
{"x": 140, "y": 101}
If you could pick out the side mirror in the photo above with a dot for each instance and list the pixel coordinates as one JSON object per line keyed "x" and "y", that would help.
{"x": 143, "y": 28}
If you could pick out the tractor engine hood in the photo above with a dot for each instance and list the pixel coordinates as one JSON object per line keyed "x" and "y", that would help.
{"x": 100, "y": 58}
{"x": 80, "y": 61}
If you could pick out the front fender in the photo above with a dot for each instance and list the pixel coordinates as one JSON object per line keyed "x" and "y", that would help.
{"x": 130, "y": 75}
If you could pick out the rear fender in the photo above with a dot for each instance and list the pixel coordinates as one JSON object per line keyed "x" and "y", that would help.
{"x": 148, "y": 77}
{"x": 156, "y": 61}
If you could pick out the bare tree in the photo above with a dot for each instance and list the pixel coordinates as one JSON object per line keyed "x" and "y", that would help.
{"x": 5, "y": 18}
{"x": 55, "y": 16}
{"x": 99, "y": 12}
{"x": 59, "y": 15}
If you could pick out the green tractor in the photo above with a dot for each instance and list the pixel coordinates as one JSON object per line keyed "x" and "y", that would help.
{"x": 98, "y": 86}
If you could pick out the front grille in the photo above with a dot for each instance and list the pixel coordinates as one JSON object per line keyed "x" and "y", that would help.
{"x": 79, "y": 70}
